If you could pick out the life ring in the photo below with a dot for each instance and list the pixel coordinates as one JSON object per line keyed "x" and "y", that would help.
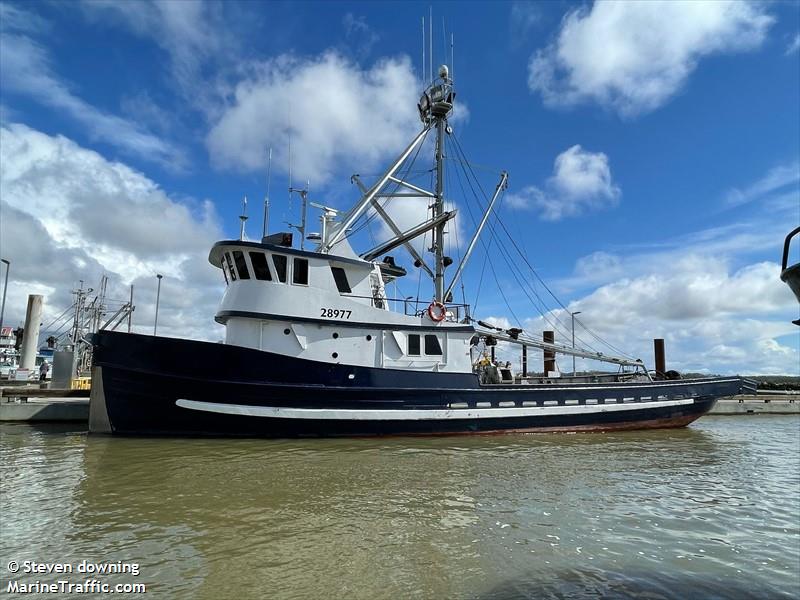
{"x": 437, "y": 312}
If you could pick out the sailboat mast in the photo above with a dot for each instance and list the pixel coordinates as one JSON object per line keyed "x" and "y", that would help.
{"x": 438, "y": 210}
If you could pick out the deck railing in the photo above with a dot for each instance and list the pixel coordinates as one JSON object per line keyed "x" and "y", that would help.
{"x": 416, "y": 308}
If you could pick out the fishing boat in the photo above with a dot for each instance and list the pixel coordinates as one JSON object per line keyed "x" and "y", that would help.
{"x": 316, "y": 345}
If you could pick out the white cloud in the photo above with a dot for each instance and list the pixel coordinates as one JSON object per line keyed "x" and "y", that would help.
{"x": 776, "y": 179}
{"x": 69, "y": 214}
{"x": 741, "y": 241}
{"x": 633, "y": 56}
{"x": 25, "y": 69}
{"x": 713, "y": 316}
{"x": 714, "y": 319}
{"x": 14, "y": 18}
{"x": 721, "y": 307}
{"x": 523, "y": 17}
{"x": 359, "y": 34}
{"x": 794, "y": 45}
{"x": 193, "y": 33}
{"x": 695, "y": 287}
{"x": 366, "y": 115}
{"x": 581, "y": 181}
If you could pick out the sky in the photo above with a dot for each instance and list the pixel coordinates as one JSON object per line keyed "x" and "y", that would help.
{"x": 653, "y": 152}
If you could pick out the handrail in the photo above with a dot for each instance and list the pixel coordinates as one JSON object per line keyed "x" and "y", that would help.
{"x": 786, "y": 244}
{"x": 414, "y": 304}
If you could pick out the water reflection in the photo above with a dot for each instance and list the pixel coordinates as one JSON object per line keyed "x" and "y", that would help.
{"x": 629, "y": 514}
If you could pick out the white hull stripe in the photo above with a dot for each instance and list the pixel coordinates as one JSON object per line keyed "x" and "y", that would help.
{"x": 369, "y": 414}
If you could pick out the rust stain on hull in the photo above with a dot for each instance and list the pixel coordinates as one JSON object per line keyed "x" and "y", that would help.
{"x": 669, "y": 423}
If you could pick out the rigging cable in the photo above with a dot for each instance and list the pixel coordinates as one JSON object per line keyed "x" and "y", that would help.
{"x": 463, "y": 161}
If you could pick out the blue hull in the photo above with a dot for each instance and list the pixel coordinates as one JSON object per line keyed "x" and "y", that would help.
{"x": 140, "y": 380}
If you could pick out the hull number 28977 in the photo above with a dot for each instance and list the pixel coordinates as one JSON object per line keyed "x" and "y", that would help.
{"x": 336, "y": 313}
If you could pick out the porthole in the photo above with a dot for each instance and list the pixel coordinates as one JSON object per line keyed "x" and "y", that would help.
{"x": 335, "y": 355}
{"x": 287, "y": 331}
{"x": 335, "y": 335}
{"x": 369, "y": 338}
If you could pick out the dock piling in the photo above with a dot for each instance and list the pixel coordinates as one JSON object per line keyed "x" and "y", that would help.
{"x": 549, "y": 337}
{"x": 524, "y": 360}
{"x": 660, "y": 361}
{"x": 30, "y": 340}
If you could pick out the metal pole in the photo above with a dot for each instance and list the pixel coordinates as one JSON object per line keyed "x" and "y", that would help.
{"x": 266, "y": 198}
{"x": 438, "y": 210}
{"x": 500, "y": 187}
{"x": 303, "y": 210}
{"x": 366, "y": 199}
{"x": 573, "y": 340}
{"x": 130, "y": 311}
{"x": 158, "y": 297}
{"x": 5, "y": 288}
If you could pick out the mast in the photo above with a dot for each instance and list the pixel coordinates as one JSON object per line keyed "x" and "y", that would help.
{"x": 435, "y": 106}
{"x": 438, "y": 211}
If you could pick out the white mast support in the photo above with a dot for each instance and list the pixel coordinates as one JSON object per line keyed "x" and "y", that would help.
{"x": 502, "y": 185}
{"x": 367, "y": 198}
{"x": 393, "y": 226}
{"x": 243, "y": 218}
{"x": 559, "y": 349}
{"x": 408, "y": 235}
{"x": 328, "y": 214}
{"x": 413, "y": 187}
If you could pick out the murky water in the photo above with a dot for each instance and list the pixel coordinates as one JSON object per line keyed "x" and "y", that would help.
{"x": 711, "y": 511}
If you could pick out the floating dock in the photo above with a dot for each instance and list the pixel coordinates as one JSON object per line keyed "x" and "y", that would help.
{"x": 784, "y": 404}
{"x": 29, "y": 404}
{"x": 46, "y": 410}
{"x": 34, "y": 404}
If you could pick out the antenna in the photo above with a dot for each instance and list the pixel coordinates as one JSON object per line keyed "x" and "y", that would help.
{"x": 444, "y": 39}
{"x": 303, "y": 217}
{"x": 266, "y": 198}
{"x": 452, "y": 58}
{"x": 430, "y": 44}
{"x": 290, "y": 157}
{"x": 243, "y": 218}
{"x": 424, "y": 81}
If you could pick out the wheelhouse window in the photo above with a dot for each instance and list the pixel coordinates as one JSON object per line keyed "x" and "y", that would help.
{"x": 340, "y": 277}
{"x": 413, "y": 344}
{"x": 279, "y": 260}
{"x": 229, "y": 264}
{"x": 241, "y": 264}
{"x": 260, "y": 268}
{"x": 300, "y": 271}
{"x": 432, "y": 346}
{"x": 224, "y": 271}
